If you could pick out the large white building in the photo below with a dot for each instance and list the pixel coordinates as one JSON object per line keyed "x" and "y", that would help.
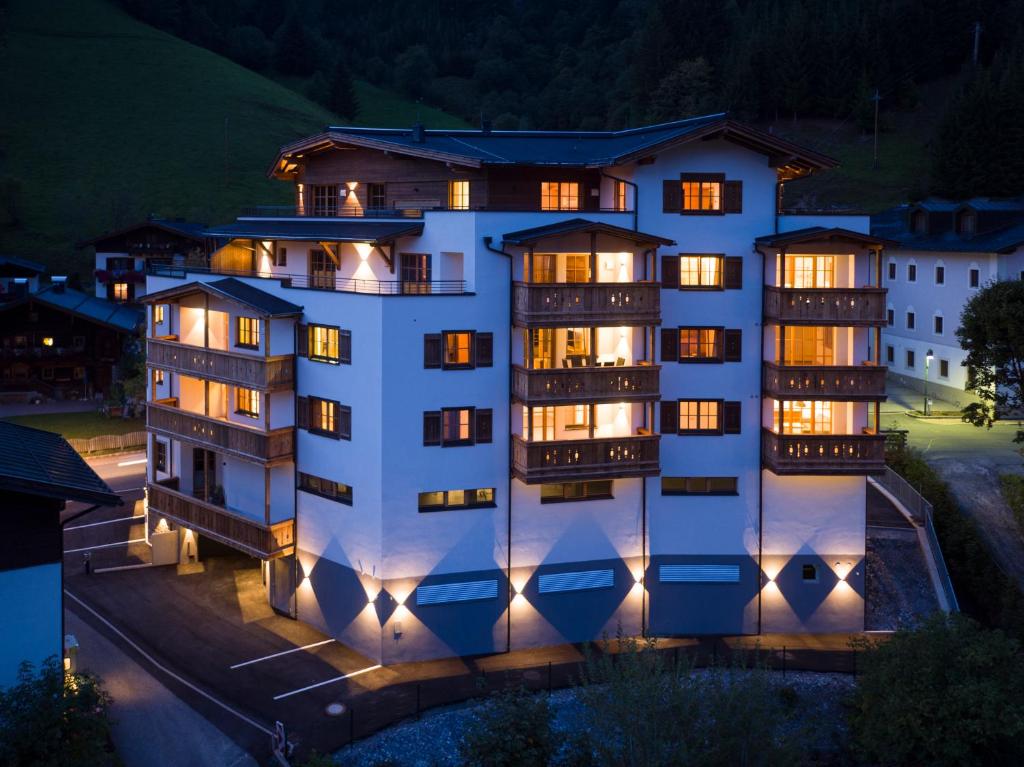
{"x": 485, "y": 389}
{"x": 942, "y": 253}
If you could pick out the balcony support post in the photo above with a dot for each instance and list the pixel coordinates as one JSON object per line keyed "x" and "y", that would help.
{"x": 592, "y": 352}
{"x": 528, "y": 266}
{"x": 781, "y": 330}
{"x": 529, "y": 424}
{"x": 591, "y": 416}
{"x": 206, "y": 320}
{"x": 593, "y": 257}
{"x": 266, "y": 495}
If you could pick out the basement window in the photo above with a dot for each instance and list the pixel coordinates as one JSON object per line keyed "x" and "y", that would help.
{"x": 809, "y": 573}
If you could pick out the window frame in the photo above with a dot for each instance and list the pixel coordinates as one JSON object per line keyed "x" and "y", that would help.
{"x": 609, "y": 495}
{"x": 458, "y": 198}
{"x": 974, "y": 278}
{"x": 161, "y": 452}
{"x": 718, "y": 343}
{"x": 943, "y": 368}
{"x": 709, "y": 493}
{"x": 719, "y": 417}
{"x": 560, "y": 195}
{"x": 250, "y": 333}
{"x": 372, "y": 196}
{"x": 938, "y": 325}
{"x": 339, "y": 409}
{"x": 619, "y": 195}
{"x": 324, "y": 358}
{"x": 330, "y": 200}
{"x": 891, "y": 274}
{"x": 470, "y": 350}
{"x": 910, "y": 360}
{"x": 470, "y": 439}
{"x": 120, "y": 287}
{"x": 338, "y": 497}
{"x": 251, "y": 397}
{"x": 446, "y": 505}
{"x": 910, "y": 320}
{"x": 702, "y": 179}
{"x": 719, "y": 271}
{"x": 912, "y": 271}
{"x": 939, "y": 274}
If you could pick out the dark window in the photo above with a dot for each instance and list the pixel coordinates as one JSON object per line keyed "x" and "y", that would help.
{"x": 699, "y": 486}
{"x": 890, "y": 317}
{"x": 248, "y": 333}
{"x": 415, "y": 273}
{"x": 576, "y": 491}
{"x": 160, "y": 455}
{"x": 940, "y": 275}
{"x": 890, "y": 354}
{"x": 458, "y": 426}
{"x": 892, "y": 271}
{"x": 809, "y": 573}
{"x": 911, "y": 272}
{"x": 918, "y": 221}
{"x": 326, "y": 488}
{"x": 325, "y": 199}
{"x": 911, "y": 320}
{"x": 376, "y": 197}
{"x": 966, "y": 223}
{"x": 975, "y": 277}
{"x": 321, "y": 270}
{"x": 281, "y": 256}
{"x": 938, "y": 325}
{"x": 944, "y": 368}
{"x": 910, "y": 359}
{"x": 449, "y": 500}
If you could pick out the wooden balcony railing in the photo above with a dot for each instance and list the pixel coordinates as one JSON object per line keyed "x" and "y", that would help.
{"x": 263, "y": 373}
{"x": 579, "y": 459}
{"x": 590, "y": 303}
{"x": 250, "y": 444}
{"x": 634, "y": 383}
{"x": 228, "y": 527}
{"x": 822, "y": 453}
{"x": 826, "y": 306}
{"x": 836, "y": 382}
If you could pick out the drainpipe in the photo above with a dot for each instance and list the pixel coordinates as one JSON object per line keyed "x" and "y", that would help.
{"x": 760, "y": 452}
{"x": 489, "y": 244}
{"x": 636, "y": 197}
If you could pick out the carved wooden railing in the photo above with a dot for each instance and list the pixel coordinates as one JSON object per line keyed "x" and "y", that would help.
{"x": 589, "y": 384}
{"x": 822, "y": 453}
{"x": 228, "y": 527}
{"x": 264, "y": 446}
{"x": 579, "y": 459}
{"x": 838, "y": 382}
{"x": 562, "y": 304}
{"x": 834, "y": 306}
{"x": 263, "y": 373}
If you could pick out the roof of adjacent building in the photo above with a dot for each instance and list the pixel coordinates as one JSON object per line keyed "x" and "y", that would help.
{"x": 42, "y": 463}
{"x": 267, "y": 304}
{"x": 120, "y": 317}
{"x": 818, "y": 234}
{"x": 578, "y": 226}
{"x": 594, "y": 149}
{"x": 21, "y": 264}
{"x": 1005, "y": 232}
{"x": 316, "y": 230}
{"x": 178, "y": 226}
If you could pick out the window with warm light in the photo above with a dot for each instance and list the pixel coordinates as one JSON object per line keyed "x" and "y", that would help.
{"x": 158, "y": 313}
{"x": 120, "y": 291}
{"x": 247, "y": 402}
{"x": 540, "y": 345}
{"x": 158, "y": 378}
{"x": 576, "y": 491}
{"x": 700, "y": 344}
{"x": 543, "y": 267}
{"x": 806, "y": 345}
{"x": 804, "y": 416}
{"x": 700, "y": 416}
{"x": 323, "y": 344}
{"x": 700, "y": 272}
{"x": 559, "y": 195}
{"x": 248, "y": 332}
{"x": 810, "y": 272}
{"x": 579, "y": 417}
{"x": 456, "y": 426}
{"x": 577, "y": 346}
{"x": 543, "y": 424}
{"x": 458, "y": 195}
{"x": 449, "y": 500}
{"x": 48, "y": 341}
{"x": 702, "y": 193}
{"x": 458, "y": 347}
{"x": 620, "y": 195}
{"x": 577, "y": 268}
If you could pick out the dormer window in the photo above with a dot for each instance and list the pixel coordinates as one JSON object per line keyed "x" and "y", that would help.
{"x": 966, "y": 223}
{"x": 919, "y": 222}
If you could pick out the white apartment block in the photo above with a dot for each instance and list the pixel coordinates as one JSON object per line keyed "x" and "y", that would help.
{"x": 483, "y": 390}
{"x": 941, "y": 253}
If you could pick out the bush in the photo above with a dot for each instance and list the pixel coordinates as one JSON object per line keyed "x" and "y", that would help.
{"x": 1013, "y": 492}
{"x": 512, "y": 729}
{"x": 948, "y": 693}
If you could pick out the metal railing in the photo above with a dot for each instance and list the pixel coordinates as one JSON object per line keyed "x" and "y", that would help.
{"x": 325, "y": 281}
{"x": 345, "y": 211}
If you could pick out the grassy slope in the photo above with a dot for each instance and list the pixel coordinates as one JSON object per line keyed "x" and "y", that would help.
{"x": 80, "y": 425}
{"x": 107, "y": 120}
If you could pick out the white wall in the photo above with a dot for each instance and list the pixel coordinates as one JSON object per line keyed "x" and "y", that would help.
{"x": 32, "y": 618}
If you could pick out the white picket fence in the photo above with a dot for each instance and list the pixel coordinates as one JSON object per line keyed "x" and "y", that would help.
{"x": 105, "y": 442}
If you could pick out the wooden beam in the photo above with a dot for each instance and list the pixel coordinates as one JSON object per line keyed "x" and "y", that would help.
{"x": 334, "y": 256}
{"x": 389, "y": 257}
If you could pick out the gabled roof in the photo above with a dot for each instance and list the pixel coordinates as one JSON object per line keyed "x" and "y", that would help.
{"x": 121, "y": 317}
{"x": 266, "y": 304}
{"x": 589, "y": 149}
{"x": 895, "y": 224}
{"x": 42, "y": 463}
{"x": 21, "y": 264}
{"x": 314, "y": 230}
{"x": 577, "y": 226}
{"x": 188, "y": 229}
{"x": 819, "y": 234}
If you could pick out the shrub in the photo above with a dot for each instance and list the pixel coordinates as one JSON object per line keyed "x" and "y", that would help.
{"x": 1013, "y": 491}
{"x": 512, "y": 729}
{"x": 947, "y": 693}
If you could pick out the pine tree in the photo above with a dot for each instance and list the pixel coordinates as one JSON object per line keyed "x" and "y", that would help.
{"x": 293, "y": 48}
{"x": 341, "y": 95}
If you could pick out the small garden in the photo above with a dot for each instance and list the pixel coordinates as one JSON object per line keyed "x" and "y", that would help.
{"x": 80, "y": 425}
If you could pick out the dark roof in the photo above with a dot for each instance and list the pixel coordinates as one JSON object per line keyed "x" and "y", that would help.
{"x": 580, "y": 225}
{"x": 819, "y": 233}
{"x": 596, "y": 149}
{"x": 188, "y": 229}
{"x": 265, "y": 303}
{"x": 895, "y": 225}
{"x": 122, "y": 317}
{"x": 42, "y": 463}
{"x": 22, "y": 263}
{"x": 374, "y": 232}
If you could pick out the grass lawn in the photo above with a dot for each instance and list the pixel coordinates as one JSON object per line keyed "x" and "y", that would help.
{"x": 79, "y": 425}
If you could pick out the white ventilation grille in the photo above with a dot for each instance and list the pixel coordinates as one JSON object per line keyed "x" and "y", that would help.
{"x": 443, "y": 593}
{"x": 699, "y": 573}
{"x": 577, "y": 581}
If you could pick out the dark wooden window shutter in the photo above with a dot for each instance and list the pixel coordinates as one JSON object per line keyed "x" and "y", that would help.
{"x": 733, "y": 196}
{"x": 302, "y": 340}
{"x": 733, "y": 345}
{"x": 345, "y": 422}
{"x": 670, "y": 272}
{"x": 670, "y": 344}
{"x": 731, "y": 417}
{"x": 345, "y": 347}
{"x": 432, "y": 350}
{"x": 671, "y": 196}
{"x": 484, "y": 350}
{"x": 302, "y": 412}
{"x": 432, "y": 427}
{"x": 733, "y": 273}
{"x": 484, "y": 422}
{"x": 669, "y": 416}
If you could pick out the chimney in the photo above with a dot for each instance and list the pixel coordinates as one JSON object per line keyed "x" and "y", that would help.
{"x": 59, "y": 282}
{"x": 417, "y": 133}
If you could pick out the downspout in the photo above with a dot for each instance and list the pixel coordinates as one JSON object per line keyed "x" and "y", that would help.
{"x": 760, "y": 449}
{"x": 488, "y": 243}
{"x": 636, "y": 197}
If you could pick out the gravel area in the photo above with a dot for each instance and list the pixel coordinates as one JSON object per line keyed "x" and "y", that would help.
{"x": 434, "y": 740}
{"x": 899, "y": 589}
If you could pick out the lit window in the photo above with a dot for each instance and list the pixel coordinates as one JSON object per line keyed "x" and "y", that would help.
{"x": 158, "y": 377}
{"x": 699, "y": 344}
{"x": 247, "y": 402}
{"x": 48, "y": 341}
{"x": 576, "y": 491}
{"x": 702, "y": 194}
{"x": 458, "y": 195}
{"x": 158, "y": 313}
{"x": 699, "y": 416}
{"x": 543, "y": 424}
{"x": 810, "y": 272}
{"x": 323, "y": 344}
{"x": 807, "y": 346}
{"x": 248, "y": 332}
{"x": 579, "y": 417}
{"x": 559, "y": 195}
{"x": 442, "y": 500}
{"x": 620, "y": 195}
{"x": 457, "y": 348}
{"x": 577, "y": 268}
{"x": 804, "y": 417}
{"x": 455, "y": 425}
{"x": 700, "y": 272}
{"x": 121, "y": 291}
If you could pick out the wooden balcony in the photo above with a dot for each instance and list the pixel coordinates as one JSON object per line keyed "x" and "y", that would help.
{"x": 264, "y": 373}
{"x": 583, "y": 304}
{"x": 827, "y": 306}
{"x": 559, "y": 386}
{"x": 228, "y": 527}
{"x": 849, "y": 383}
{"x": 822, "y": 453}
{"x": 580, "y": 459}
{"x": 165, "y": 418}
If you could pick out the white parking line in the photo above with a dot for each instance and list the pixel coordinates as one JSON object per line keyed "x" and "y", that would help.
{"x": 132, "y": 463}
{"x": 105, "y": 545}
{"x": 107, "y": 522}
{"x": 328, "y": 681}
{"x": 279, "y": 654}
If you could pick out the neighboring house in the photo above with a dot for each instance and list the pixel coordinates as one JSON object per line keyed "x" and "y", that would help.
{"x": 122, "y": 256}
{"x": 946, "y": 252}
{"x": 62, "y": 343}
{"x": 39, "y": 471}
{"x": 486, "y": 389}
{"x": 18, "y": 277}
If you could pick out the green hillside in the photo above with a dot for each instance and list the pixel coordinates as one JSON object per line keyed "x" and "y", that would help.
{"x": 106, "y": 120}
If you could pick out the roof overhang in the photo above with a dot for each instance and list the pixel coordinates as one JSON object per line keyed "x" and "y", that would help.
{"x": 582, "y": 226}
{"x": 161, "y": 225}
{"x": 823, "y": 234}
{"x": 312, "y": 230}
{"x": 211, "y": 289}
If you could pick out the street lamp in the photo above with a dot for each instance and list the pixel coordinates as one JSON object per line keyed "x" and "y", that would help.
{"x": 928, "y": 357}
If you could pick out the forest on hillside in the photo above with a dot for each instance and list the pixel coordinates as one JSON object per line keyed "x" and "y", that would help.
{"x": 593, "y": 64}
